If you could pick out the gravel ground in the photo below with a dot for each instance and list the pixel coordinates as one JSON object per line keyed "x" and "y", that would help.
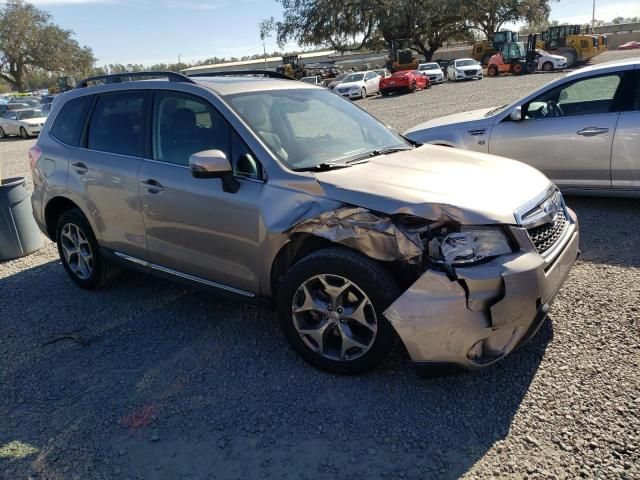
{"x": 152, "y": 380}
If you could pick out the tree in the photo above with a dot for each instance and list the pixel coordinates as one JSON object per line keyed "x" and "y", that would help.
{"x": 29, "y": 42}
{"x": 489, "y": 16}
{"x": 352, "y": 25}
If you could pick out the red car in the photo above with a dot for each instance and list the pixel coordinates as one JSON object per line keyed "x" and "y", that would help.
{"x": 629, "y": 46}
{"x": 404, "y": 81}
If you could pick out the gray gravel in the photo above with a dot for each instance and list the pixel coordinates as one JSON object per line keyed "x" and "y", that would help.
{"x": 158, "y": 381}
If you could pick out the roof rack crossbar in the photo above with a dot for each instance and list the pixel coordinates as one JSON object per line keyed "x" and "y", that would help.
{"x": 242, "y": 73}
{"x": 131, "y": 76}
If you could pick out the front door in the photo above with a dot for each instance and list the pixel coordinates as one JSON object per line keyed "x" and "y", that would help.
{"x": 194, "y": 228}
{"x": 567, "y": 132}
{"x": 625, "y": 156}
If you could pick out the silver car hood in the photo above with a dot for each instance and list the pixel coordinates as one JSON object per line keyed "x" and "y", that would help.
{"x": 359, "y": 83}
{"x": 435, "y": 182}
{"x": 456, "y": 119}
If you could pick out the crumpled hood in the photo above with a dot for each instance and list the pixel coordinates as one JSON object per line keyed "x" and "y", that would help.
{"x": 456, "y": 118}
{"x": 436, "y": 182}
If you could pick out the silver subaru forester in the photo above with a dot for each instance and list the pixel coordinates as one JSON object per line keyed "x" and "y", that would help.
{"x": 271, "y": 189}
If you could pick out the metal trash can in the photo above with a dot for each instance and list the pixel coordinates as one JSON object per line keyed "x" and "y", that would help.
{"x": 19, "y": 234}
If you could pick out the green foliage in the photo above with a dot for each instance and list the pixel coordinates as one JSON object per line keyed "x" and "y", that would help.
{"x": 344, "y": 24}
{"x": 31, "y": 43}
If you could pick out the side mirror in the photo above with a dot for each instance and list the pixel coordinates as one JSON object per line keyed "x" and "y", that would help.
{"x": 516, "y": 114}
{"x": 209, "y": 164}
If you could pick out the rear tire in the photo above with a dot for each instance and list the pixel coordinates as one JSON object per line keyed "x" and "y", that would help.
{"x": 80, "y": 253}
{"x": 309, "y": 300}
{"x": 23, "y": 133}
{"x": 492, "y": 71}
{"x": 547, "y": 67}
{"x": 517, "y": 68}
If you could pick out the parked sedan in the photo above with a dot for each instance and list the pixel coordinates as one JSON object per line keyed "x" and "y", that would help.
{"x": 580, "y": 130}
{"x": 26, "y": 123}
{"x": 464, "y": 69}
{"x": 432, "y": 71}
{"x": 629, "y": 46}
{"x": 548, "y": 62}
{"x": 359, "y": 84}
{"x": 407, "y": 81}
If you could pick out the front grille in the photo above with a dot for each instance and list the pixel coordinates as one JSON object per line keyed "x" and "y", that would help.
{"x": 470, "y": 73}
{"x": 546, "y": 236}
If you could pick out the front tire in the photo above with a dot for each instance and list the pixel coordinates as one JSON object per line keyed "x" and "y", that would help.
{"x": 2, "y": 134}
{"x": 363, "y": 93}
{"x": 80, "y": 253}
{"x": 23, "y": 133}
{"x": 331, "y": 306}
{"x": 547, "y": 67}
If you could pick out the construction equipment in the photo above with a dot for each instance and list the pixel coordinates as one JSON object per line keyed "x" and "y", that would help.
{"x": 401, "y": 56}
{"x": 516, "y": 58}
{"x": 571, "y": 43}
{"x": 63, "y": 84}
{"x": 292, "y": 66}
{"x": 482, "y": 51}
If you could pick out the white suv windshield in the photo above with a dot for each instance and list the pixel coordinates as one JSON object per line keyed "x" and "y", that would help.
{"x": 308, "y": 128}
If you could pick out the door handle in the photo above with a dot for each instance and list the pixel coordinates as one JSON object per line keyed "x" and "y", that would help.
{"x": 153, "y": 186}
{"x": 80, "y": 167}
{"x": 592, "y": 131}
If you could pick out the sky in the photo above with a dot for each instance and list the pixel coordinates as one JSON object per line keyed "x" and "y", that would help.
{"x": 157, "y": 31}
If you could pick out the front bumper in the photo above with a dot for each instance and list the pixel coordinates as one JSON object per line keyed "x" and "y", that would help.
{"x": 350, "y": 94}
{"x": 33, "y": 131}
{"x": 464, "y": 76}
{"x": 486, "y": 312}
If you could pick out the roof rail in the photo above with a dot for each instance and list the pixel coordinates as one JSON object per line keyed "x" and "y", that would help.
{"x": 131, "y": 76}
{"x": 244, "y": 73}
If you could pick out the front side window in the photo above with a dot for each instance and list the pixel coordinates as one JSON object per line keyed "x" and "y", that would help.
{"x": 117, "y": 124}
{"x": 185, "y": 125}
{"x": 307, "y": 128}
{"x": 67, "y": 127}
{"x": 589, "y": 96}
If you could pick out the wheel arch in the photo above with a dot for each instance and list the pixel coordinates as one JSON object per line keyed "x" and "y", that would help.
{"x": 52, "y": 212}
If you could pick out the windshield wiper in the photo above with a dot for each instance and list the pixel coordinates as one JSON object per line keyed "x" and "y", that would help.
{"x": 322, "y": 167}
{"x": 494, "y": 110}
{"x": 376, "y": 153}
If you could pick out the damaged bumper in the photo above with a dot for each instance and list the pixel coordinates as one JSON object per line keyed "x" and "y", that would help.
{"x": 486, "y": 312}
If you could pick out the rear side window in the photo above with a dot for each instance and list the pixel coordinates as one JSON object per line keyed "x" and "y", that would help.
{"x": 117, "y": 124}
{"x": 67, "y": 127}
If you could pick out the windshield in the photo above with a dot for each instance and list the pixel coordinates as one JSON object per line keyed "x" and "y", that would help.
{"x": 26, "y": 114}
{"x": 309, "y": 79}
{"x": 307, "y": 128}
{"x": 543, "y": 52}
{"x": 465, "y": 63}
{"x": 354, "y": 77}
{"x": 429, "y": 66}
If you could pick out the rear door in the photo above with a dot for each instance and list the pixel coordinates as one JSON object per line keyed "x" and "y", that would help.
{"x": 194, "y": 228}
{"x": 103, "y": 173}
{"x": 625, "y": 155}
{"x": 567, "y": 132}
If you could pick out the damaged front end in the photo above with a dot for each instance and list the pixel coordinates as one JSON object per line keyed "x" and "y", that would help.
{"x": 473, "y": 294}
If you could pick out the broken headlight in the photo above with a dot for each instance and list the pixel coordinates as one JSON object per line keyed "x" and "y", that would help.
{"x": 468, "y": 245}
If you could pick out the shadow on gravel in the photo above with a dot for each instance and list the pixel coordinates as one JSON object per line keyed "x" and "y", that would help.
{"x": 609, "y": 229}
{"x": 170, "y": 381}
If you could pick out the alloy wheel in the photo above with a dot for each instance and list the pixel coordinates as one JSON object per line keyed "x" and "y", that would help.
{"x": 334, "y": 317}
{"x": 77, "y": 251}
{"x": 23, "y": 133}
